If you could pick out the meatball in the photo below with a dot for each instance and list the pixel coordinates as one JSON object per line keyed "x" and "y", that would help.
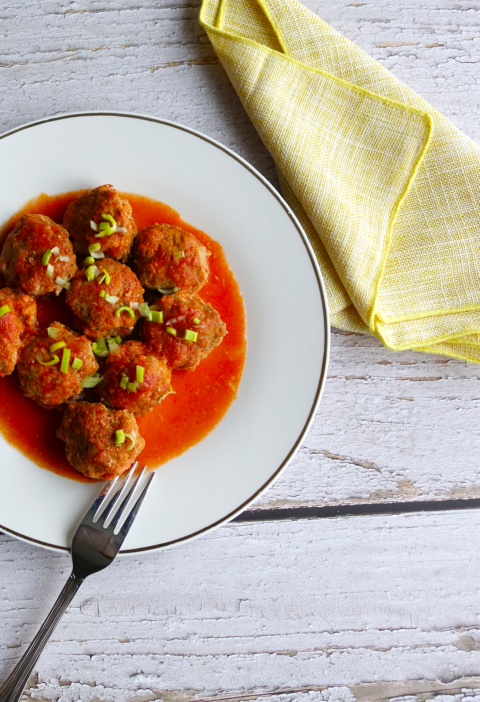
{"x": 98, "y": 303}
{"x": 18, "y": 322}
{"x": 90, "y": 433}
{"x": 125, "y": 387}
{"x": 168, "y": 257}
{"x": 53, "y": 384}
{"x": 191, "y": 328}
{"x": 37, "y": 256}
{"x": 113, "y": 225}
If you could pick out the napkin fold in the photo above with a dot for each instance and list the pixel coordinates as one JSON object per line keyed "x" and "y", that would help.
{"x": 386, "y": 188}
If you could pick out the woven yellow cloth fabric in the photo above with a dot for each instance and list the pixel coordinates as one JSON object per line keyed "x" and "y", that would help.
{"x": 386, "y": 188}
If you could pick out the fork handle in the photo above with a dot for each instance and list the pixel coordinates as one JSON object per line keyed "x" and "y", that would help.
{"x": 12, "y": 690}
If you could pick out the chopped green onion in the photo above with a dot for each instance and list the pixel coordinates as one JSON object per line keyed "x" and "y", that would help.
{"x": 118, "y": 339}
{"x": 101, "y": 279}
{"x": 144, "y": 309}
{"x": 65, "y": 361}
{"x": 129, "y": 436}
{"x": 50, "y": 270}
{"x": 134, "y": 305}
{"x": 102, "y": 293}
{"x": 131, "y": 387}
{"x": 190, "y": 335}
{"x": 107, "y": 276}
{"x": 124, "y": 308}
{"x": 90, "y": 273}
{"x": 88, "y": 261}
{"x": 100, "y": 348}
{"x": 77, "y": 363}
{"x": 140, "y": 373}
{"x": 112, "y": 299}
{"x": 124, "y": 382}
{"x": 121, "y": 229}
{"x": 156, "y": 316}
{"x": 110, "y": 219}
{"x": 96, "y": 272}
{"x": 55, "y": 251}
{"x": 94, "y": 247}
{"x": 167, "y": 291}
{"x": 46, "y": 257}
{"x": 65, "y": 259}
{"x": 58, "y": 345}
{"x": 66, "y": 286}
{"x": 4, "y": 310}
{"x": 196, "y": 320}
{"x": 178, "y": 254}
{"x": 60, "y": 281}
{"x": 171, "y": 391}
{"x": 54, "y": 360}
{"x": 119, "y": 437}
{"x": 53, "y": 332}
{"x": 172, "y": 331}
{"x": 91, "y": 381}
{"x": 112, "y": 345}
{"x": 93, "y": 225}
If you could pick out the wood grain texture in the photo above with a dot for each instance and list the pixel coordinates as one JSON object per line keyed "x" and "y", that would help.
{"x": 359, "y": 609}
{"x": 251, "y": 610}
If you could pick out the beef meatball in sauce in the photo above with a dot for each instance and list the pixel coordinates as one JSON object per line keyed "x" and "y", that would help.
{"x": 134, "y": 379}
{"x": 54, "y": 365}
{"x": 37, "y": 256}
{"x": 105, "y": 299}
{"x": 101, "y": 216}
{"x": 167, "y": 257}
{"x": 190, "y": 330}
{"x": 100, "y": 443}
{"x": 18, "y": 322}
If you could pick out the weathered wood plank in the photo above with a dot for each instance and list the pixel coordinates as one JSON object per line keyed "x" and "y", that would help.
{"x": 249, "y": 610}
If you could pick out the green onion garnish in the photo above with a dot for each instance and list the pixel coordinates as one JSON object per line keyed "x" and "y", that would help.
{"x": 172, "y": 331}
{"x": 167, "y": 291}
{"x": 56, "y": 251}
{"x": 178, "y": 254}
{"x": 124, "y": 382}
{"x": 196, "y": 320}
{"x": 88, "y": 261}
{"x": 112, "y": 345}
{"x": 54, "y": 360}
{"x": 129, "y": 436}
{"x": 118, "y": 339}
{"x": 144, "y": 309}
{"x": 124, "y": 308}
{"x": 50, "y": 270}
{"x": 94, "y": 247}
{"x": 110, "y": 219}
{"x": 102, "y": 293}
{"x": 91, "y": 381}
{"x": 156, "y": 316}
{"x": 53, "y": 332}
{"x": 140, "y": 372}
{"x": 58, "y": 345}
{"x": 46, "y": 257}
{"x": 90, "y": 273}
{"x": 77, "y": 363}
{"x": 131, "y": 387}
{"x": 4, "y": 310}
{"x": 107, "y": 276}
{"x": 119, "y": 437}
{"x": 190, "y": 335}
{"x": 100, "y": 348}
{"x": 93, "y": 225}
{"x": 65, "y": 361}
{"x": 101, "y": 279}
{"x": 112, "y": 299}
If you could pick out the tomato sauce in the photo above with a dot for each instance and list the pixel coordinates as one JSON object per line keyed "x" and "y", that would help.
{"x": 201, "y": 397}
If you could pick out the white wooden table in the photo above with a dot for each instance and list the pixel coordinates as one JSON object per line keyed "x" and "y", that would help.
{"x": 282, "y": 604}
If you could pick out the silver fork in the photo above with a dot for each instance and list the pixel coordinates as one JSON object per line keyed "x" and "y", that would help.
{"x": 94, "y": 547}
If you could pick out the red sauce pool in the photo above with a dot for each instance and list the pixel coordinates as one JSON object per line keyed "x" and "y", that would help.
{"x": 202, "y": 396}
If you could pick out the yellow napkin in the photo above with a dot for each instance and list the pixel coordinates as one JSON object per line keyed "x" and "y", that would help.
{"x": 386, "y": 188}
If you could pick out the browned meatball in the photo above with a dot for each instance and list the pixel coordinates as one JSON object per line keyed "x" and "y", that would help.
{"x": 49, "y": 385}
{"x": 89, "y": 431}
{"x": 18, "y": 321}
{"x": 168, "y": 257}
{"x": 28, "y": 243}
{"x": 97, "y": 306}
{"x": 121, "y": 368}
{"x": 184, "y": 315}
{"x": 117, "y": 238}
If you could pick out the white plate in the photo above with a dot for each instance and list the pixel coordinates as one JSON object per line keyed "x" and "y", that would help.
{"x": 218, "y": 192}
